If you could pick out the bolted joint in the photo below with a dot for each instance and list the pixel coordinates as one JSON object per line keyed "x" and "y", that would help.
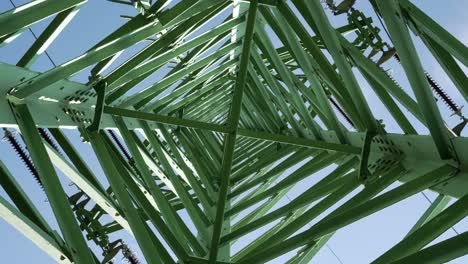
{"x": 100, "y": 88}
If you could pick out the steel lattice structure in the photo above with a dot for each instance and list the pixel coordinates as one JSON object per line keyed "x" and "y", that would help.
{"x": 219, "y": 133}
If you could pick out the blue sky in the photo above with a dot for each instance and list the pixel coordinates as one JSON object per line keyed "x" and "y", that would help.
{"x": 360, "y": 242}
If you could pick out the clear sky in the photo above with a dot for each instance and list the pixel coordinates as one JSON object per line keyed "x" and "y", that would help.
{"x": 360, "y": 242}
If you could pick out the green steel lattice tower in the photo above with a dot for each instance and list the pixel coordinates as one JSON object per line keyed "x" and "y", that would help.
{"x": 234, "y": 123}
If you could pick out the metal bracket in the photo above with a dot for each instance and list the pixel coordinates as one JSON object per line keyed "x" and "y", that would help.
{"x": 100, "y": 88}
{"x": 364, "y": 173}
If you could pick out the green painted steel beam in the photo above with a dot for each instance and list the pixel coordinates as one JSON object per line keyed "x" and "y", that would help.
{"x": 311, "y": 213}
{"x": 77, "y": 64}
{"x": 379, "y": 75}
{"x": 317, "y": 192}
{"x": 448, "y": 63}
{"x": 33, "y": 232}
{"x": 21, "y": 200}
{"x": 47, "y": 37}
{"x": 143, "y": 97}
{"x": 153, "y": 253}
{"x": 187, "y": 174}
{"x": 201, "y": 220}
{"x": 169, "y": 214}
{"x": 427, "y": 232}
{"x": 169, "y": 235}
{"x": 75, "y": 176}
{"x": 436, "y": 207}
{"x": 326, "y": 69}
{"x": 33, "y": 12}
{"x": 427, "y": 25}
{"x": 262, "y": 2}
{"x": 330, "y": 39}
{"x": 242, "y": 132}
{"x": 305, "y": 62}
{"x": 442, "y": 252}
{"x": 232, "y": 127}
{"x": 74, "y": 156}
{"x": 163, "y": 119}
{"x": 134, "y": 67}
{"x": 317, "y": 144}
{"x": 319, "y": 162}
{"x": 74, "y": 239}
{"x": 105, "y": 50}
{"x": 355, "y": 213}
{"x": 414, "y": 70}
{"x": 214, "y": 123}
{"x": 307, "y": 254}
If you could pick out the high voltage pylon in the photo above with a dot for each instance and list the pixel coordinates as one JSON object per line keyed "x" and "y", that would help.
{"x": 244, "y": 110}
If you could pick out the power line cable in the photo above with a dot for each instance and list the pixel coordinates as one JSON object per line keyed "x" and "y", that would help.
{"x": 333, "y": 252}
{"x": 430, "y": 202}
{"x": 382, "y": 24}
{"x": 34, "y": 35}
{"x": 326, "y": 244}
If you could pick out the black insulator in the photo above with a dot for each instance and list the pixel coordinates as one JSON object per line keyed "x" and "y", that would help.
{"x": 21, "y": 152}
{"x": 45, "y": 135}
{"x": 123, "y": 150}
{"x": 129, "y": 254}
{"x": 132, "y": 259}
{"x": 391, "y": 78}
{"x": 438, "y": 91}
{"x": 442, "y": 94}
{"x": 119, "y": 144}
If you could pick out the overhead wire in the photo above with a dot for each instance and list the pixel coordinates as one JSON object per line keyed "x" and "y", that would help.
{"x": 34, "y": 35}
{"x": 129, "y": 254}
{"x": 326, "y": 244}
{"x": 430, "y": 202}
